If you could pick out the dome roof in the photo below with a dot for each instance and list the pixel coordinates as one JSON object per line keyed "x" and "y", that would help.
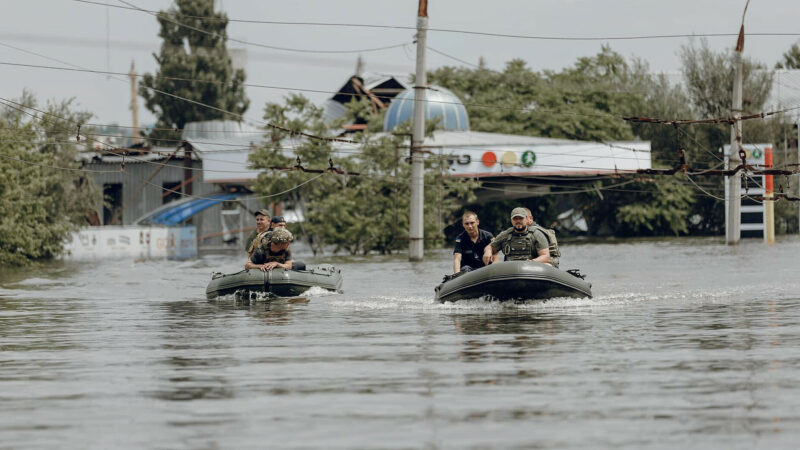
{"x": 440, "y": 102}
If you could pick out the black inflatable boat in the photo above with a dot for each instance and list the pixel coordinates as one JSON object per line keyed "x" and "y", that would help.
{"x": 514, "y": 280}
{"x": 277, "y": 282}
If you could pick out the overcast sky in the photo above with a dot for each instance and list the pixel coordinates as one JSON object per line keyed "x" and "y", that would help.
{"x": 105, "y": 38}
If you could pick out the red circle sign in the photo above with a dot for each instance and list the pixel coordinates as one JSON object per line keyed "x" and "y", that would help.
{"x": 489, "y": 159}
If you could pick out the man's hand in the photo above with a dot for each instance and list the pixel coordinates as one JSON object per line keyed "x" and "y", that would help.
{"x": 270, "y": 265}
{"x": 487, "y": 255}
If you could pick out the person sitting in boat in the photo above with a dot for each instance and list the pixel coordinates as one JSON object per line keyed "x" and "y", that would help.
{"x": 470, "y": 244}
{"x": 272, "y": 252}
{"x": 277, "y": 222}
{"x": 555, "y": 253}
{"x": 519, "y": 243}
{"x": 262, "y": 225}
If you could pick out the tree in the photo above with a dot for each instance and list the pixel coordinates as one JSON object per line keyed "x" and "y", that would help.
{"x": 791, "y": 58}
{"x": 355, "y": 213}
{"x": 193, "y": 48}
{"x": 708, "y": 77}
{"x": 583, "y": 102}
{"x": 43, "y": 194}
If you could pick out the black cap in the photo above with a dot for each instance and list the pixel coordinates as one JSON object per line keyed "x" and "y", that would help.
{"x": 261, "y": 212}
{"x": 277, "y": 219}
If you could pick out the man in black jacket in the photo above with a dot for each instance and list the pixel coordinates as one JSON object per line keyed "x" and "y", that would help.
{"x": 470, "y": 244}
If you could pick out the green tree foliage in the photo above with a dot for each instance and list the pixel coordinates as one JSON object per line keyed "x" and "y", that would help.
{"x": 355, "y": 213}
{"x": 709, "y": 80}
{"x": 583, "y": 102}
{"x": 708, "y": 77}
{"x": 193, "y": 48}
{"x": 791, "y": 58}
{"x": 40, "y": 205}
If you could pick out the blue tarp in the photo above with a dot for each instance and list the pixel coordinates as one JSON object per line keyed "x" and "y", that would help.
{"x": 180, "y": 212}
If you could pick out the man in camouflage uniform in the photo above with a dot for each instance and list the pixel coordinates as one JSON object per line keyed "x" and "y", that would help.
{"x": 262, "y": 225}
{"x": 272, "y": 251}
{"x": 519, "y": 243}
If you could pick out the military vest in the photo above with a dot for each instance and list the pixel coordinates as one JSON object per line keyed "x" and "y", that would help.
{"x": 262, "y": 239}
{"x": 519, "y": 247}
{"x": 550, "y": 234}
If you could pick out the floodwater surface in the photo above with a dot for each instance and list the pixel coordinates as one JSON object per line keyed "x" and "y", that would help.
{"x": 688, "y": 343}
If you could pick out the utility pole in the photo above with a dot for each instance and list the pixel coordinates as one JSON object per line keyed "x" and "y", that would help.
{"x": 416, "y": 220}
{"x": 733, "y": 205}
{"x": 134, "y": 105}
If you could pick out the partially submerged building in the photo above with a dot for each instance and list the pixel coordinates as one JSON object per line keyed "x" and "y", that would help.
{"x": 206, "y": 182}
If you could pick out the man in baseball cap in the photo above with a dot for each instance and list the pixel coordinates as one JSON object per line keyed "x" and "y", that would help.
{"x": 518, "y": 242}
{"x": 277, "y": 222}
{"x": 262, "y": 225}
{"x": 272, "y": 252}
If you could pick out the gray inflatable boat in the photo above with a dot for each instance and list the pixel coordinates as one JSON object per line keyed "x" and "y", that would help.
{"x": 277, "y": 282}
{"x": 514, "y": 280}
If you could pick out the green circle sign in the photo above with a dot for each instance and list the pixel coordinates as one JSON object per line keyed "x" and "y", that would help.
{"x": 528, "y": 158}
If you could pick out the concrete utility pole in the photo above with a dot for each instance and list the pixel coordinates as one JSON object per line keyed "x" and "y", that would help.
{"x": 416, "y": 220}
{"x": 733, "y": 206}
{"x": 134, "y": 105}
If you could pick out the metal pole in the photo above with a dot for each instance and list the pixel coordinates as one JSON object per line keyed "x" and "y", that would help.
{"x": 134, "y": 105}
{"x": 416, "y": 220}
{"x": 769, "y": 220}
{"x": 734, "y": 183}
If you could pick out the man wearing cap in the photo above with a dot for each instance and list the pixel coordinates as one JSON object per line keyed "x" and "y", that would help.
{"x": 272, "y": 251}
{"x": 277, "y": 222}
{"x": 519, "y": 243}
{"x": 262, "y": 225}
{"x": 470, "y": 244}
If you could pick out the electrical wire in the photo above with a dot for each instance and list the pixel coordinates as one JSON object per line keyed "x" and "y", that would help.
{"x": 455, "y": 31}
{"x": 256, "y": 44}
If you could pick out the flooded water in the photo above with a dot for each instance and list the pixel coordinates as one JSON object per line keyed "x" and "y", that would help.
{"x": 688, "y": 343}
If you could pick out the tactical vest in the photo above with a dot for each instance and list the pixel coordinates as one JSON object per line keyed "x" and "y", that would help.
{"x": 262, "y": 239}
{"x": 519, "y": 247}
{"x": 550, "y": 234}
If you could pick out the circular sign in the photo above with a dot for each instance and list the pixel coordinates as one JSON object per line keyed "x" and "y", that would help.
{"x": 757, "y": 153}
{"x": 489, "y": 159}
{"x": 509, "y": 158}
{"x": 528, "y": 158}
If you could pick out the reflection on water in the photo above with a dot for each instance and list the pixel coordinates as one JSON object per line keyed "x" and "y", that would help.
{"x": 684, "y": 345}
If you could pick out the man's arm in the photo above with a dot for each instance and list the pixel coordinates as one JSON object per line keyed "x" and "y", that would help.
{"x": 274, "y": 264}
{"x": 251, "y": 265}
{"x": 490, "y": 251}
{"x": 456, "y": 262}
{"x": 489, "y": 254}
{"x": 543, "y": 255}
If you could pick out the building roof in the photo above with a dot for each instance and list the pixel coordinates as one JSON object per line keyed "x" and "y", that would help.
{"x": 439, "y": 102}
{"x": 224, "y": 147}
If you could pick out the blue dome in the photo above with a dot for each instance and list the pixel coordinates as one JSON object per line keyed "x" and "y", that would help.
{"x": 439, "y": 102}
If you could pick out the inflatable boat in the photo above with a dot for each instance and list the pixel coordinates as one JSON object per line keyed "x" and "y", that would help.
{"x": 276, "y": 282}
{"x": 514, "y": 280}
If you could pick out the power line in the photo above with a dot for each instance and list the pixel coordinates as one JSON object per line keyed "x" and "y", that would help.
{"x": 605, "y": 115}
{"x": 256, "y": 44}
{"x": 240, "y": 116}
{"x": 451, "y": 30}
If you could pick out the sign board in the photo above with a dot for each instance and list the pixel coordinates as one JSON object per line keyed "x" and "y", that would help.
{"x": 753, "y": 212}
{"x": 574, "y": 158}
